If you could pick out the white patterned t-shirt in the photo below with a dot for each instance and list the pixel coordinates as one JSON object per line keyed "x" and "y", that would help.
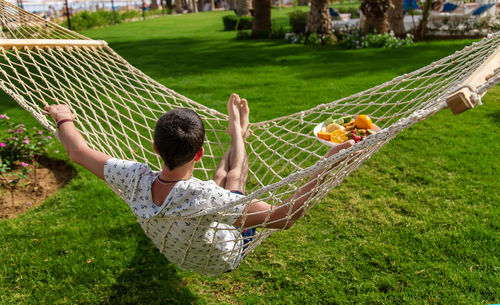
{"x": 193, "y": 227}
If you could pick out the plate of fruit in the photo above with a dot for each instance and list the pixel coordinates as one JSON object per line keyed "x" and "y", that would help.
{"x": 334, "y": 131}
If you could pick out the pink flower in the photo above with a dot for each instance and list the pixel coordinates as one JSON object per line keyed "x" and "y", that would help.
{"x": 26, "y": 141}
{"x": 28, "y": 203}
{"x": 24, "y": 164}
{"x": 4, "y": 116}
{"x": 22, "y": 125}
{"x": 14, "y": 138}
{"x": 9, "y": 181}
{"x": 2, "y": 144}
{"x": 19, "y": 130}
{"x": 40, "y": 132}
{"x": 56, "y": 151}
{"x": 49, "y": 137}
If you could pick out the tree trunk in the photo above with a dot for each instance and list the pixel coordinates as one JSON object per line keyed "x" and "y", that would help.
{"x": 376, "y": 16}
{"x": 169, "y": 4}
{"x": 396, "y": 18}
{"x": 192, "y": 8}
{"x": 422, "y": 26}
{"x": 153, "y": 5}
{"x": 178, "y": 6}
{"x": 243, "y": 7}
{"x": 261, "y": 24}
{"x": 319, "y": 20}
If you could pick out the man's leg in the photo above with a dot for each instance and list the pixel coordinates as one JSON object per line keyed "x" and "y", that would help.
{"x": 237, "y": 150}
{"x": 232, "y": 172}
{"x": 223, "y": 167}
{"x": 244, "y": 123}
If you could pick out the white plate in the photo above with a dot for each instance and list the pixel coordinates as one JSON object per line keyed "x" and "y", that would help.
{"x": 331, "y": 144}
{"x": 318, "y": 129}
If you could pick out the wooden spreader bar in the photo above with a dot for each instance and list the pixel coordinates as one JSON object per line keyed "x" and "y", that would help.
{"x": 51, "y": 43}
{"x": 461, "y": 100}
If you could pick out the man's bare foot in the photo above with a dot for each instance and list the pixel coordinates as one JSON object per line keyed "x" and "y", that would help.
{"x": 233, "y": 110}
{"x": 244, "y": 118}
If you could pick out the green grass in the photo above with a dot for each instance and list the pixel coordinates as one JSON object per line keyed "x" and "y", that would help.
{"x": 416, "y": 224}
{"x": 346, "y": 4}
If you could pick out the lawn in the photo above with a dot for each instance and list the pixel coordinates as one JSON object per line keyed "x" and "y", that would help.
{"x": 417, "y": 224}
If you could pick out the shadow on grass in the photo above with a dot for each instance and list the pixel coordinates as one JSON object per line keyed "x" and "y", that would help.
{"x": 149, "y": 279}
{"x": 494, "y": 116}
{"x": 199, "y": 56}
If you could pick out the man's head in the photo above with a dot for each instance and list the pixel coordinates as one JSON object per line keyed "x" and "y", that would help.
{"x": 178, "y": 136}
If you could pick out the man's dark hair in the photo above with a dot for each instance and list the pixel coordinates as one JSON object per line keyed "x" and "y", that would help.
{"x": 178, "y": 136}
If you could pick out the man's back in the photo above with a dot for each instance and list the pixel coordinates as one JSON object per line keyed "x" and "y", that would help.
{"x": 193, "y": 227}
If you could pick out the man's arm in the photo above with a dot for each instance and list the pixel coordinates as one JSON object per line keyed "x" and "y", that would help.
{"x": 74, "y": 143}
{"x": 262, "y": 214}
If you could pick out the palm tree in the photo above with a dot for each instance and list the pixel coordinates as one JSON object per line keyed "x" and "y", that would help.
{"x": 376, "y": 13}
{"x": 192, "y": 8}
{"x": 319, "y": 20}
{"x": 396, "y": 20}
{"x": 422, "y": 26}
{"x": 178, "y": 6}
{"x": 243, "y": 7}
{"x": 153, "y": 5}
{"x": 261, "y": 24}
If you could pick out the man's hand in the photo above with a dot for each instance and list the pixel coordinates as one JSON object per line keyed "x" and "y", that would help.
{"x": 60, "y": 112}
{"x": 262, "y": 214}
{"x": 73, "y": 142}
{"x": 339, "y": 147}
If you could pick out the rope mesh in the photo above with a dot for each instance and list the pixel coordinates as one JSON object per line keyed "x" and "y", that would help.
{"x": 117, "y": 106}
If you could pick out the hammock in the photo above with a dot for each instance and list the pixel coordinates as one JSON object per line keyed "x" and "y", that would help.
{"x": 117, "y": 105}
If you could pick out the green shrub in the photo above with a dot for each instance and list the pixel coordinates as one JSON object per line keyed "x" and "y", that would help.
{"x": 298, "y": 21}
{"x": 230, "y": 22}
{"x": 349, "y": 10}
{"x": 295, "y": 38}
{"x": 17, "y": 143}
{"x": 156, "y": 12}
{"x": 357, "y": 40}
{"x": 354, "y": 12}
{"x": 244, "y": 34}
{"x": 129, "y": 15}
{"x": 315, "y": 38}
{"x": 87, "y": 20}
{"x": 245, "y": 23}
{"x": 277, "y": 32}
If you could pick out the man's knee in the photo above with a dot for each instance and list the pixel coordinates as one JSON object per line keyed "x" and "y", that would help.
{"x": 234, "y": 176}
{"x": 220, "y": 175}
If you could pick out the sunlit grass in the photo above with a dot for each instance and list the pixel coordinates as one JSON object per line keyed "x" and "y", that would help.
{"x": 418, "y": 223}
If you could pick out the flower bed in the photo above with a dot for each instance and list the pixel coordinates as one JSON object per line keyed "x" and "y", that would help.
{"x": 27, "y": 175}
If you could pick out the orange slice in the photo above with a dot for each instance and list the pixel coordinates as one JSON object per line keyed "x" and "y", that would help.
{"x": 324, "y": 135}
{"x": 338, "y": 136}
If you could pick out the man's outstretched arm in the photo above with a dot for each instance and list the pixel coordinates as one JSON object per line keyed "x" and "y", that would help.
{"x": 262, "y": 214}
{"x": 74, "y": 143}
